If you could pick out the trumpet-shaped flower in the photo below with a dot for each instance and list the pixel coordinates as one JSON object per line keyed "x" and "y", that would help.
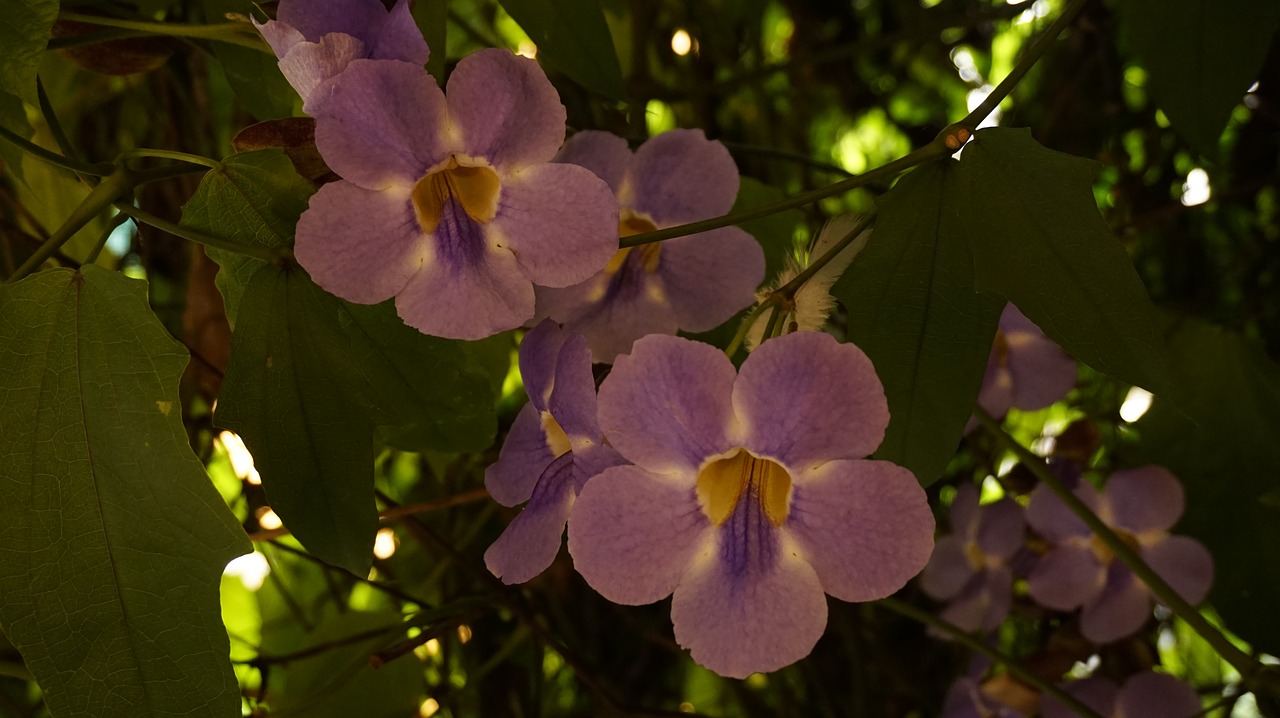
{"x": 451, "y": 204}
{"x": 1026, "y": 369}
{"x": 749, "y": 496}
{"x": 970, "y": 567}
{"x": 692, "y": 283}
{"x": 315, "y": 40}
{"x": 1145, "y": 695}
{"x": 553, "y": 447}
{"x": 1141, "y": 505}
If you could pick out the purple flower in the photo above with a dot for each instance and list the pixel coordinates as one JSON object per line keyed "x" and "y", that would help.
{"x": 451, "y": 205}
{"x": 1141, "y": 505}
{"x": 692, "y": 283}
{"x": 967, "y": 699}
{"x": 1144, "y": 695}
{"x": 315, "y": 40}
{"x": 553, "y": 447}
{"x": 748, "y": 498}
{"x": 970, "y": 566}
{"x": 1026, "y": 370}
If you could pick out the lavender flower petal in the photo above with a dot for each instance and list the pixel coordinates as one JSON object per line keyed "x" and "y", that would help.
{"x": 706, "y": 278}
{"x": 560, "y": 221}
{"x": 505, "y": 109}
{"x": 1066, "y": 577}
{"x": 1120, "y": 610}
{"x": 604, "y": 153}
{"x": 462, "y": 293}
{"x": 1148, "y": 498}
{"x": 1184, "y": 563}
{"x": 524, "y": 455}
{"x": 573, "y": 400}
{"x": 308, "y": 64}
{"x": 632, "y": 534}
{"x": 752, "y": 606}
{"x": 680, "y": 176}
{"x": 1156, "y": 695}
{"x": 1041, "y": 372}
{"x": 666, "y": 407}
{"x": 788, "y": 383}
{"x": 1001, "y": 529}
{"x": 963, "y": 513}
{"x": 948, "y": 570}
{"x": 864, "y": 526}
{"x": 1051, "y": 518}
{"x": 539, "y": 357}
{"x": 531, "y": 541}
{"x": 1097, "y": 693}
{"x": 362, "y": 245}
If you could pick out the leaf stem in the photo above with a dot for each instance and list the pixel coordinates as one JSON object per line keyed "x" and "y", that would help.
{"x": 928, "y": 619}
{"x": 235, "y": 33}
{"x": 98, "y": 169}
{"x": 1241, "y": 661}
{"x": 141, "y": 152}
{"x": 55, "y": 127}
{"x": 747, "y": 322}
{"x": 107, "y": 231}
{"x": 106, "y": 192}
{"x": 177, "y": 230}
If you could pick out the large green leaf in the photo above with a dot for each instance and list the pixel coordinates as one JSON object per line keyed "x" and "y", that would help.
{"x": 311, "y": 376}
{"x": 1037, "y": 239}
{"x": 253, "y": 74}
{"x": 24, "y": 32}
{"x": 913, "y": 310}
{"x": 573, "y": 36}
{"x": 253, "y": 199}
{"x": 1217, "y": 432}
{"x": 1201, "y": 56}
{"x": 112, "y": 538}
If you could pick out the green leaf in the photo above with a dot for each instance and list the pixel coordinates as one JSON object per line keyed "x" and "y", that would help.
{"x": 775, "y": 233}
{"x": 310, "y": 378}
{"x": 913, "y": 310}
{"x": 573, "y": 37}
{"x": 24, "y": 32}
{"x": 1201, "y": 56}
{"x": 432, "y": 18}
{"x": 254, "y": 199}
{"x": 1217, "y": 432}
{"x": 113, "y": 538}
{"x": 1037, "y": 239}
{"x": 253, "y": 74}
{"x": 13, "y": 117}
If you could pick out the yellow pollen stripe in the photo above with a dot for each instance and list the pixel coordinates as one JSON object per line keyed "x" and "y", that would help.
{"x": 631, "y": 224}
{"x": 557, "y": 440}
{"x": 722, "y": 483}
{"x": 474, "y": 188}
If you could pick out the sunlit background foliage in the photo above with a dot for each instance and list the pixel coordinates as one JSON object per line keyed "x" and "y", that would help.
{"x": 803, "y": 92}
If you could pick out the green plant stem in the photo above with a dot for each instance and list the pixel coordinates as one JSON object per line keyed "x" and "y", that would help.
{"x": 97, "y": 169}
{"x": 747, "y": 322}
{"x": 1019, "y": 71}
{"x": 928, "y": 619}
{"x": 157, "y": 174}
{"x": 931, "y": 151}
{"x": 107, "y": 231}
{"x": 142, "y": 152}
{"x": 177, "y": 230}
{"x": 235, "y": 33}
{"x": 106, "y": 192}
{"x": 55, "y": 127}
{"x": 1241, "y": 661}
{"x": 788, "y": 290}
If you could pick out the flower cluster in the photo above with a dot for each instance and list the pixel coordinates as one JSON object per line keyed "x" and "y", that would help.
{"x": 1026, "y": 369}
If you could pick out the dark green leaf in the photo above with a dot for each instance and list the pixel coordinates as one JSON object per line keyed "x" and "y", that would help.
{"x": 573, "y": 36}
{"x": 432, "y": 18}
{"x": 311, "y": 376}
{"x": 24, "y": 32}
{"x": 112, "y": 537}
{"x": 1201, "y": 56}
{"x": 913, "y": 310}
{"x": 13, "y": 117}
{"x": 254, "y": 199}
{"x": 1217, "y": 432}
{"x": 253, "y": 74}
{"x": 1037, "y": 239}
{"x": 775, "y": 233}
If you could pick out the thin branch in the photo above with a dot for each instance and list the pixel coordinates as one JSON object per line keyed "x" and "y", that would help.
{"x": 177, "y": 230}
{"x": 235, "y": 33}
{"x": 396, "y": 512}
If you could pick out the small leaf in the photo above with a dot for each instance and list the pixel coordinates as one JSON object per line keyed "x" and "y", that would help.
{"x": 254, "y": 199}
{"x": 573, "y": 36}
{"x": 13, "y": 117}
{"x": 24, "y": 33}
{"x": 1037, "y": 239}
{"x": 1217, "y": 432}
{"x": 111, "y": 535}
{"x": 1201, "y": 56}
{"x": 310, "y": 378}
{"x": 913, "y": 310}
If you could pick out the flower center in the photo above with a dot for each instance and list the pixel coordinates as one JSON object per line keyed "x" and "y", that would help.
{"x": 1002, "y": 349}
{"x": 976, "y": 557}
{"x": 474, "y": 189}
{"x": 557, "y": 440}
{"x": 629, "y": 225}
{"x": 723, "y": 481}
{"x": 1103, "y": 552}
